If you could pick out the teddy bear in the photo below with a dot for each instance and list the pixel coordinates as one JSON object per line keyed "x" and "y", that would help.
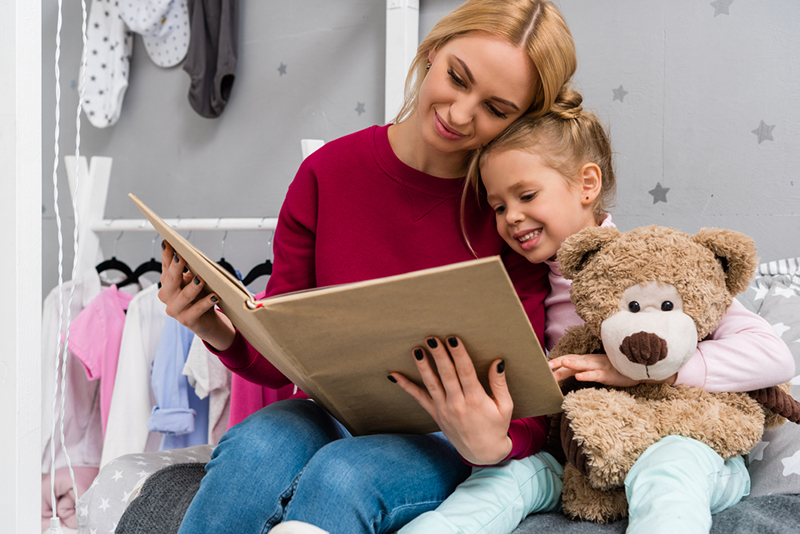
{"x": 647, "y": 297}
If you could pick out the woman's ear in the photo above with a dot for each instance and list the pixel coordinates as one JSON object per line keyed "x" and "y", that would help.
{"x": 591, "y": 182}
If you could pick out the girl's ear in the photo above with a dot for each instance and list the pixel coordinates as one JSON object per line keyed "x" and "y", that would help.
{"x": 591, "y": 182}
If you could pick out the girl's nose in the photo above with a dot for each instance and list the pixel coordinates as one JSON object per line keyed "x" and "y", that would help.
{"x": 514, "y": 216}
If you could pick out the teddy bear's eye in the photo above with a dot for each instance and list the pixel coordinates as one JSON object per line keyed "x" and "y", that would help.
{"x": 634, "y": 307}
{"x": 667, "y": 306}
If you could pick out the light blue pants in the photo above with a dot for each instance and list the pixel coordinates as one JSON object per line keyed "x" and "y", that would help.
{"x": 496, "y": 499}
{"x": 678, "y": 483}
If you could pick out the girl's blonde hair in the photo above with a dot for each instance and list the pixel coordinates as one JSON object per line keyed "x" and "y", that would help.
{"x": 534, "y": 25}
{"x": 566, "y": 138}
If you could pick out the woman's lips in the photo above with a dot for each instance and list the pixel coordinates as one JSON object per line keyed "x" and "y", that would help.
{"x": 444, "y": 130}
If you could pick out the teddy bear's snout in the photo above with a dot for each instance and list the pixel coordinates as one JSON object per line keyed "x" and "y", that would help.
{"x": 644, "y": 348}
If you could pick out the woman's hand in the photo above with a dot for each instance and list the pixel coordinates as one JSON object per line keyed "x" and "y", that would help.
{"x": 594, "y": 368}
{"x": 190, "y": 304}
{"x": 475, "y": 423}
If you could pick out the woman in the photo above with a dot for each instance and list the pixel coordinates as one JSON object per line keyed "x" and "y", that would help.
{"x": 375, "y": 203}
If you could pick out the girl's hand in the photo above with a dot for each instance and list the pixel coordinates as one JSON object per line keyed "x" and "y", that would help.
{"x": 594, "y": 368}
{"x": 189, "y": 303}
{"x": 475, "y": 423}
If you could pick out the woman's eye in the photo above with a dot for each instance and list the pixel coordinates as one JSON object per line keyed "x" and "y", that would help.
{"x": 667, "y": 306}
{"x": 634, "y": 307}
{"x": 455, "y": 78}
{"x": 496, "y": 111}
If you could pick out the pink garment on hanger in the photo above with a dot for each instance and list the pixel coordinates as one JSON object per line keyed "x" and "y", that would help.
{"x": 95, "y": 338}
{"x": 65, "y": 495}
{"x": 248, "y": 398}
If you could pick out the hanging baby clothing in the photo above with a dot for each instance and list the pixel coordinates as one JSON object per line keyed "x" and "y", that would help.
{"x": 132, "y": 400}
{"x": 210, "y": 378}
{"x": 95, "y": 340}
{"x": 109, "y": 46}
{"x": 211, "y": 59}
{"x": 178, "y": 413}
{"x": 163, "y": 25}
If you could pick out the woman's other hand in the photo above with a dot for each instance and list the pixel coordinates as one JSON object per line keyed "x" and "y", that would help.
{"x": 190, "y": 303}
{"x": 474, "y": 422}
{"x": 593, "y": 368}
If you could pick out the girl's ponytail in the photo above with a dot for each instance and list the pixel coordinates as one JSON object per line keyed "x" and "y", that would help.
{"x": 567, "y": 105}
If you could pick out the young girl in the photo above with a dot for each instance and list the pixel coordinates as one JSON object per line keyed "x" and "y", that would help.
{"x": 547, "y": 178}
{"x": 375, "y": 203}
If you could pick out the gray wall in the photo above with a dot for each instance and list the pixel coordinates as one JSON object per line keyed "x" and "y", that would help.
{"x": 682, "y": 85}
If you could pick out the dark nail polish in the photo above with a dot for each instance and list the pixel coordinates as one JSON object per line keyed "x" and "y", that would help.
{"x": 214, "y": 299}
{"x": 196, "y": 280}
{"x": 431, "y": 342}
{"x": 185, "y": 269}
{"x": 418, "y": 354}
{"x": 501, "y": 366}
{"x": 175, "y": 256}
{"x": 392, "y": 379}
{"x": 163, "y": 246}
{"x": 452, "y": 341}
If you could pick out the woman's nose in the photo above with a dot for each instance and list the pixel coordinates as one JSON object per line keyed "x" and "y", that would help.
{"x": 461, "y": 111}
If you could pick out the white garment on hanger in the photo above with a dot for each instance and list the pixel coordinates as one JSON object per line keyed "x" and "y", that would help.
{"x": 132, "y": 399}
{"x": 82, "y": 424}
{"x": 210, "y": 378}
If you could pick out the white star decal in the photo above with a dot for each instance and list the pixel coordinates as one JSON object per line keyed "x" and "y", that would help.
{"x": 117, "y": 475}
{"x": 143, "y": 474}
{"x": 758, "y": 451}
{"x": 791, "y": 465}
{"x": 104, "y": 505}
{"x": 141, "y": 463}
{"x": 139, "y": 457}
{"x": 761, "y": 292}
{"x": 93, "y": 531}
{"x": 785, "y": 292}
{"x": 113, "y": 529}
{"x": 84, "y": 511}
{"x": 780, "y": 328}
{"x": 126, "y": 495}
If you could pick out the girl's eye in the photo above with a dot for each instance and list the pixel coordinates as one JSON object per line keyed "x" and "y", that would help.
{"x": 496, "y": 112}
{"x": 499, "y": 210}
{"x": 455, "y": 78}
{"x": 528, "y": 197}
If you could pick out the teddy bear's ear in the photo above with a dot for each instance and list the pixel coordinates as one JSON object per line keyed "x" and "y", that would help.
{"x": 735, "y": 251}
{"x": 578, "y": 248}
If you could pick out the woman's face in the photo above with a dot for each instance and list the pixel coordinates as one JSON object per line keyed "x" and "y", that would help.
{"x": 477, "y": 85}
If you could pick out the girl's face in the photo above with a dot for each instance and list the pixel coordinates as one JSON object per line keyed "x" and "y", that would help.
{"x": 476, "y": 86}
{"x": 536, "y": 207}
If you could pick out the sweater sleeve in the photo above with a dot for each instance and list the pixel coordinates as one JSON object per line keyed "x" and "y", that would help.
{"x": 293, "y": 270}
{"x": 742, "y": 354}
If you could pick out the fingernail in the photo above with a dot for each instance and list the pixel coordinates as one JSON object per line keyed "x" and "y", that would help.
{"x": 163, "y": 246}
{"x": 392, "y": 379}
{"x": 196, "y": 280}
{"x": 418, "y": 354}
{"x": 452, "y": 341}
{"x": 501, "y": 366}
{"x": 213, "y": 299}
{"x": 431, "y": 342}
{"x": 185, "y": 269}
{"x": 175, "y": 256}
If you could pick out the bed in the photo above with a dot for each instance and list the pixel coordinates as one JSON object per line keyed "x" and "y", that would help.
{"x": 772, "y": 507}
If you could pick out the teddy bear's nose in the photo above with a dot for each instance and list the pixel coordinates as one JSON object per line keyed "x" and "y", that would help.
{"x": 644, "y": 348}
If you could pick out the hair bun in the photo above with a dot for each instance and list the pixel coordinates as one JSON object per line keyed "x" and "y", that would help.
{"x": 568, "y": 104}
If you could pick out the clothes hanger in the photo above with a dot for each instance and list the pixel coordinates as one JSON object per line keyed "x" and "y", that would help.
{"x": 114, "y": 264}
{"x": 262, "y": 269}
{"x": 151, "y": 265}
{"x": 222, "y": 263}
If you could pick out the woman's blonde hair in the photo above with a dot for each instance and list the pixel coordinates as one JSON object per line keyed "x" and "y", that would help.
{"x": 566, "y": 138}
{"x": 537, "y": 26}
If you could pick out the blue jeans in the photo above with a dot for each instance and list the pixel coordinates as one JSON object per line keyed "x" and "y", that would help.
{"x": 494, "y": 500}
{"x": 678, "y": 483}
{"x": 293, "y": 461}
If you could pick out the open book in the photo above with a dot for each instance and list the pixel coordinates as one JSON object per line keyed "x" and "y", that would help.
{"x": 339, "y": 343}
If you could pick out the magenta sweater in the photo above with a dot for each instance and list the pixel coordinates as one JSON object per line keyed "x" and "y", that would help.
{"x": 356, "y": 212}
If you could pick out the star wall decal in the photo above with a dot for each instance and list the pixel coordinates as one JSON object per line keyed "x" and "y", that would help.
{"x": 764, "y": 132}
{"x": 721, "y": 7}
{"x": 659, "y": 193}
{"x": 360, "y": 108}
{"x": 282, "y": 69}
{"x": 619, "y": 94}
{"x": 791, "y": 465}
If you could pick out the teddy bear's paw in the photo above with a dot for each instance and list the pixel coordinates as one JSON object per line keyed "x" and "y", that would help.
{"x": 573, "y": 450}
{"x": 580, "y": 500}
{"x": 612, "y": 430}
{"x": 779, "y": 405}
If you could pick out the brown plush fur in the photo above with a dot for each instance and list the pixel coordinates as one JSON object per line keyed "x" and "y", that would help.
{"x": 614, "y": 426}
